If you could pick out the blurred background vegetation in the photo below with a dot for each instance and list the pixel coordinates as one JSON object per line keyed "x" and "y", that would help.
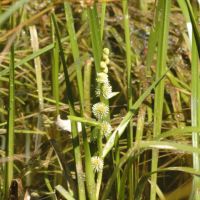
{"x": 38, "y": 158}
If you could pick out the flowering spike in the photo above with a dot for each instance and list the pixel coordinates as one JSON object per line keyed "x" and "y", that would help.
{"x": 102, "y": 77}
{"x": 106, "y": 128}
{"x": 97, "y": 164}
{"x": 106, "y": 90}
{"x": 100, "y": 110}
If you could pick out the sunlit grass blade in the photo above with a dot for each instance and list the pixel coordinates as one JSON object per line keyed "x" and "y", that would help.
{"x": 194, "y": 25}
{"x": 90, "y": 181}
{"x": 195, "y": 113}
{"x": 87, "y": 87}
{"x": 129, "y": 92}
{"x": 64, "y": 193}
{"x": 145, "y": 145}
{"x": 144, "y": 179}
{"x": 187, "y": 131}
{"x": 17, "y": 5}
{"x": 69, "y": 98}
{"x": 74, "y": 48}
{"x": 95, "y": 36}
{"x": 11, "y": 117}
{"x": 163, "y": 24}
{"x": 153, "y": 39}
{"x": 123, "y": 124}
{"x": 38, "y": 72}
{"x": 90, "y": 122}
{"x": 103, "y": 13}
{"x": 97, "y": 53}
{"x": 55, "y": 68}
{"x": 194, "y": 38}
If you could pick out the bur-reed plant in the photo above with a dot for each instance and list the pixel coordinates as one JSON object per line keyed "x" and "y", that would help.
{"x": 103, "y": 149}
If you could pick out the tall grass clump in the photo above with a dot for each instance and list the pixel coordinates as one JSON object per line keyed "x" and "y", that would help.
{"x": 99, "y": 99}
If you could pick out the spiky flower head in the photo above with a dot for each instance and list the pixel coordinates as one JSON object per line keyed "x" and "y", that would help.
{"x": 100, "y": 110}
{"x": 106, "y": 90}
{"x": 106, "y": 128}
{"x": 102, "y": 77}
{"x": 97, "y": 164}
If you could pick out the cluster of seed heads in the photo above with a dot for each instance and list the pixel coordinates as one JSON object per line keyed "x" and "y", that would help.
{"x": 100, "y": 110}
{"x": 102, "y": 77}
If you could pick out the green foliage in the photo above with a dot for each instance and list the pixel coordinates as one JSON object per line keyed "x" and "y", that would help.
{"x": 95, "y": 99}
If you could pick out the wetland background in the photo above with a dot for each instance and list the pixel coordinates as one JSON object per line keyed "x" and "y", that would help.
{"x": 53, "y": 55}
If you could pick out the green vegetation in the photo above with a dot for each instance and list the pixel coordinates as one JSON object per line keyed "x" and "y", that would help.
{"x": 100, "y": 99}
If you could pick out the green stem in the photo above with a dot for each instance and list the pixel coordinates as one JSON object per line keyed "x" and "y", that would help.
{"x": 97, "y": 49}
{"x": 11, "y": 117}
{"x": 159, "y": 91}
{"x": 90, "y": 181}
{"x": 100, "y": 174}
{"x": 129, "y": 91}
{"x": 38, "y": 72}
{"x": 69, "y": 98}
{"x": 103, "y": 13}
{"x": 55, "y": 68}
{"x": 195, "y": 115}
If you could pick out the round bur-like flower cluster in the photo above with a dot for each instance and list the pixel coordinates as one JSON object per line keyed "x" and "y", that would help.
{"x": 102, "y": 77}
{"x": 106, "y": 90}
{"x": 106, "y": 128}
{"x": 100, "y": 110}
{"x": 97, "y": 164}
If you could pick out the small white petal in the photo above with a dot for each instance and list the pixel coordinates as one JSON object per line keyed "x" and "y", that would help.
{"x": 113, "y": 94}
{"x": 66, "y": 124}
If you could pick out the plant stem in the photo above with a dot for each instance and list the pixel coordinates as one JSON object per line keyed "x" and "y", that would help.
{"x": 195, "y": 115}
{"x": 11, "y": 118}
{"x": 103, "y": 13}
{"x": 38, "y": 72}
{"x": 159, "y": 91}
{"x": 69, "y": 98}
{"x": 129, "y": 92}
{"x": 90, "y": 181}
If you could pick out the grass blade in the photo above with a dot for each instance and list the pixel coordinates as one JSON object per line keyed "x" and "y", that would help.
{"x": 195, "y": 113}
{"x": 103, "y": 13}
{"x": 64, "y": 193}
{"x": 123, "y": 124}
{"x": 11, "y": 117}
{"x": 163, "y": 25}
{"x": 145, "y": 145}
{"x": 90, "y": 181}
{"x": 129, "y": 91}
{"x": 69, "y": 98}
{"x": 38, "y": 72}
{"x": 17, "y": 5}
